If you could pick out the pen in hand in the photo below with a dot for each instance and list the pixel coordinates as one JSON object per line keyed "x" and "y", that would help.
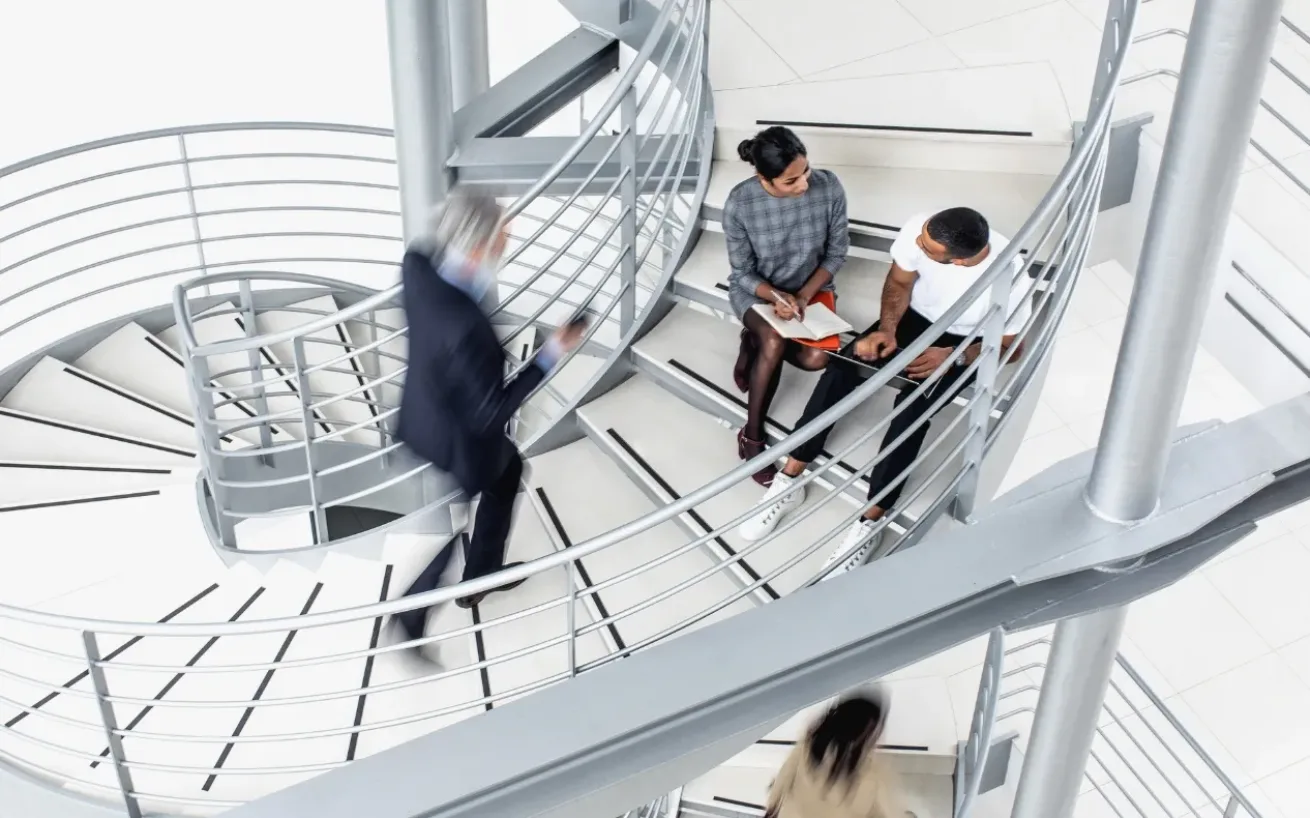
{"x": 797, "y": 311}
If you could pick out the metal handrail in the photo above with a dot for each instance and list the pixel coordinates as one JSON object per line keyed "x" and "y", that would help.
{"x": 1065, "y": 216}
{"x": 1144, "y": 780}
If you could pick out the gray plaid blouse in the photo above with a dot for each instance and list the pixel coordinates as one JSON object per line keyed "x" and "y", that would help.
{"x": 782, "y": 241}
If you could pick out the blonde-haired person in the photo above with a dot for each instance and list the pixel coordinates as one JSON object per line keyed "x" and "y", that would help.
{"x": 835, "y": 770}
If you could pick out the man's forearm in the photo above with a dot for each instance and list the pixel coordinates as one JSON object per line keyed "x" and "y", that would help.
{"x": 895, "y": 301}
{"x": 972, "y": 351}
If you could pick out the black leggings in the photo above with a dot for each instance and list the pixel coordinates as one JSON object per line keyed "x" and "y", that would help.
{"x": 770, "y": 350}
{"x": 841, "y": 379}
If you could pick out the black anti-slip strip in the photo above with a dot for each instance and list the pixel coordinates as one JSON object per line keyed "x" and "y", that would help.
{"x": 125, "y": 395}
{"x": 259, "y": 692}
{"x": 282, "y": 373}
{"x": 582, "y": 570}
{"x": 65, "y": 467}
{"x": 359, "y": 373}
{"x": 163, "y": 349}
{"x": 113, "y": 654}
{"x": 912, "y": 748}
{"x": 874, "y": 225}
{"x": 177, "y": 677}
{"x": 692, "y": 513}
{"x": 726, "y": 395}
{"x": 54, "y": 424}
{"x": 734, "y": 802}
{"x": 894, "y": 128}
{"x": 368, "y": 666}
{"x": 79, "y": 501}
{"x": 481, "y": 646}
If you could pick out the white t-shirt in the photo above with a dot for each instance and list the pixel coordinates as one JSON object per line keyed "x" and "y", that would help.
{"x": 939, "y": 286}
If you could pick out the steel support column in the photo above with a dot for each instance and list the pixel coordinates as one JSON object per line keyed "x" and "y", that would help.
{"x": 1228, "y": 49}
{"x": 424, "y": 109}
{"x": 466, "y": 32}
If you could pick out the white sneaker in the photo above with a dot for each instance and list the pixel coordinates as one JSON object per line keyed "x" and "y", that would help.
{"x": 784, "y": 498}
{"x": 861, "y": 529}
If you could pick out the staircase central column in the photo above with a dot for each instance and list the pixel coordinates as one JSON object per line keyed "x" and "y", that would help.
{"x": 423, "y": 101}
{"x": 1228, "y": 49}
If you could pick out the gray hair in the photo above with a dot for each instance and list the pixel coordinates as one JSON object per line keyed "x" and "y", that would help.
{"x": 467, "y": 220}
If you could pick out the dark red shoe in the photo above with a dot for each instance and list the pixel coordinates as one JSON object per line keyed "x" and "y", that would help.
{"x": 741, "y": 371}
{"x": 746, "y": 449}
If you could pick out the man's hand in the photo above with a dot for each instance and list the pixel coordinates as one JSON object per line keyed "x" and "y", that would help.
{"x": 875, "y": 346}
{"x": 567, "y": 337}
{"x": 929, "y": 362}
{"x": 787, "y": 307}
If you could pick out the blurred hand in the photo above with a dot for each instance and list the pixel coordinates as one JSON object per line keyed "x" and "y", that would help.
{"x": 787, "y": 307}
{"x": 929, "y": 362}
{"x": 875, "y": 346}
{"x": 567, "y": 337}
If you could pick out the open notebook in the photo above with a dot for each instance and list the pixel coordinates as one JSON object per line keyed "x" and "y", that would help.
{"x": 820, "y": 322}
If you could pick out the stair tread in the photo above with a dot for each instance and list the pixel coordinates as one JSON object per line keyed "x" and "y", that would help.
{"x": 28, "y": 483}
{"x": 641, "y": 412}
{"x": 927, "y": 796}
{"x": 28, "y": 436}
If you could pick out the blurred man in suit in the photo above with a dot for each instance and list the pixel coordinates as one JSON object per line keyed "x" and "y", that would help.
{"x": 457, "y": 403}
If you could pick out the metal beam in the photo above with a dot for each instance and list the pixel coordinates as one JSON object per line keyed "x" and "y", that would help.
{"x": 544, "y": 85}
{"x": 1027, "y": 554}
{"x": 510, "y": 165}
{"x": 631, "y": 21}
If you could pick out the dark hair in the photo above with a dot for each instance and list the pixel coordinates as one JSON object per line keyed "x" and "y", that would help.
{"x": 845, "y": 733}
{"x": 771, "y": 151}
{"x": 961, "y": 230}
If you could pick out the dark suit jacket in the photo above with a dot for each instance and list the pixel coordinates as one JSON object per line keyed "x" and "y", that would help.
{"x": 456, "y": 402}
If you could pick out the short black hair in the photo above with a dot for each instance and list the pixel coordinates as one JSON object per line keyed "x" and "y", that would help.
{"x": 961, "y": 230}
{"x": 771, "y": 151}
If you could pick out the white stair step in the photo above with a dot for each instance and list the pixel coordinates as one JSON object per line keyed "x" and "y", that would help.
{"x": 46, "y": 719}
{"x": 71, "y": 546}
{"x": 746, "y": 790}
{"x": 63, "y": 392}
{"x": 347, "y": 582}
{"x": 234, "y": 370}
{"x": 704, "y": 277}
{"x": 510, "y": 678}
{"x": 566, "y": 383}
{"x": 34, "y": 483}
{"x": 583, "y": 509}
{"x": 883, "y": 199}
{"x": 642, "y": 414}
{"x": 140, "y": 362}
{"x": 398, "y": 714}
{"x": 288, "y": 592}
{"x": 26, "y": 436}
{"x": 321, "y": 348}
{"x": 689, "y": 348}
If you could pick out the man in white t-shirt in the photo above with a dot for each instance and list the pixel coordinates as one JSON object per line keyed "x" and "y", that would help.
{"x": 935, "y": 260}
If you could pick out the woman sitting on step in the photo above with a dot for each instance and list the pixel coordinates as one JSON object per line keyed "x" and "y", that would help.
{"x": 787, "y": 237}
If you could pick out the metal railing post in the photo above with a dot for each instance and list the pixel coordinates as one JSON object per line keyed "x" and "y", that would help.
{"x": 973, "y": 760}
{"x": 248, "y": 318}
{"x": 307, "y": 418}
{"x": 210, "y": 442}
{"x": 573, "y": 619}
{"x": 628, "y": 202}
{"x": 984, "y": 397}
{"x": 116, "y": 755}
{"x": 191, "y": 203}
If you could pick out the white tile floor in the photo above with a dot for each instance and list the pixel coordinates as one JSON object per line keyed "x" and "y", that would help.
{"x": 1228, "y": 647}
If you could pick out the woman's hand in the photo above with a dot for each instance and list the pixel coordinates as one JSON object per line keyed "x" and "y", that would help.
{"x": 787, "y": 307}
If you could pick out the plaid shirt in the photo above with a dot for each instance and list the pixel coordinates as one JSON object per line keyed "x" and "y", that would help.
{"x": 782, "y": 241}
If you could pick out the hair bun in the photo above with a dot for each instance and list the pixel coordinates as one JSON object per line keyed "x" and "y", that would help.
{"x": 744, "y": 150}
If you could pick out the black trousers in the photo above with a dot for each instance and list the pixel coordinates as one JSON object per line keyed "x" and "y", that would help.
{"x": 841, "y": 379}
{"x": 486, "y": 547}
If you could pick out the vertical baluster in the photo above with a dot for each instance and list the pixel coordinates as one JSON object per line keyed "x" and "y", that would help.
{"x": 628, "y": 202}
{"x": 116, "y": 755}
{"x": 573, "y": 618}
{"x": 210, "y": 442}
{"x": 307, "y": 418}
{"x": 191, "y": 203}
{"x": 1230, "y": 810}
{"x": 247, "y": 297}
{"x": 984, "y": 396}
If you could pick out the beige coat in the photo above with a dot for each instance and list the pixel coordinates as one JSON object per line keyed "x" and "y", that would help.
{"x": 803, "y": 791}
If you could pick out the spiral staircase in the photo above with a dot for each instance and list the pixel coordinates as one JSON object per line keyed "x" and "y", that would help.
{"x": 209, "y": 520}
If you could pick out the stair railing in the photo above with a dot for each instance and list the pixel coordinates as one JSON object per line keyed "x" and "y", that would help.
{"x": 591, "y": 248}
{"x": 1145, "y": 763}
{"x": 1056, "y": 239}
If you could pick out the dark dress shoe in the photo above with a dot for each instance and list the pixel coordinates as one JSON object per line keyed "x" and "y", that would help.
{"x": 476, "y": 599}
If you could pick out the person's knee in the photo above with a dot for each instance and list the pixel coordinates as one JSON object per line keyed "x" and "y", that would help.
{"x": 772, "y": 346}
{"x": 812, "y": 359}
